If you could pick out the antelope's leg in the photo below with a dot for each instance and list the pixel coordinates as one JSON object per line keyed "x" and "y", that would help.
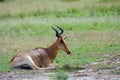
{"x": 16, "y": 64}
{"x": 30, "y": 62}
{"x": 17, "y": 61}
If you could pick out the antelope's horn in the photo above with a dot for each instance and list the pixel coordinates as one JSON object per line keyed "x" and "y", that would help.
{"x": 57, "y": 34}
{"x": 61, "y": 30}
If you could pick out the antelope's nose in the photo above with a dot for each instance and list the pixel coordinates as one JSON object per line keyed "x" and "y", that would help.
{"x": 69, "y": 53}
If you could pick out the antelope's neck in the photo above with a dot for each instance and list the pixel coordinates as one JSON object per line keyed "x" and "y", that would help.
{"x": 52, "y": 51}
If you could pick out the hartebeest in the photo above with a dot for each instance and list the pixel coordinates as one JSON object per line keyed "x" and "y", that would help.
{"x": 41, "y": 57}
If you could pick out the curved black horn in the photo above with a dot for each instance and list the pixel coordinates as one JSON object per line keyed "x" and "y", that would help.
{"x": 61, "y": 30}
{"x": 57, "y": 34}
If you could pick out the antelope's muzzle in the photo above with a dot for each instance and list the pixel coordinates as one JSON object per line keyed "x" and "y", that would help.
{"x": 69, "y": 53}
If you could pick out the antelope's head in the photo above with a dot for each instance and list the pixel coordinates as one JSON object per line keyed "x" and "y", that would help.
{"x": 61, "y": 44}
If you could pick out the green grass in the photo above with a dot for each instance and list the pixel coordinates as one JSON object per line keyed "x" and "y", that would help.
{"x": 4, "y": 62}
{"x": 86, "y": 39}
{"x": 103, "y": 66}
{"x": 60, "y": 75}
{"x": 92, "y": 27}
{"x": 54, "y": 8}
{"x": 117, "y": 72}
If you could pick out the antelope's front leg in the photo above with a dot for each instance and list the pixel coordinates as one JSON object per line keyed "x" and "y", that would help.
{"x": 31, "y": 63}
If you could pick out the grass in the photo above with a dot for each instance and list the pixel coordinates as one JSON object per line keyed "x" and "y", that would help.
{"x": 54, "y": 8}
{"x": 4, "y": 62}
{"x": 61, "y": 75}
{"x": 103, "y": 66}
{"x": 117, "y": 72}
{"x": 84, "y": 42}
{"x": 92, "y": 28}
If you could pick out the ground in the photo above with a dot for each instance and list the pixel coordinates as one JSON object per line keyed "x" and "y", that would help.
{"x": 90, "y": 72}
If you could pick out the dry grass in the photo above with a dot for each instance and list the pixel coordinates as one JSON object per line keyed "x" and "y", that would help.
{"x": 22, "y": 44}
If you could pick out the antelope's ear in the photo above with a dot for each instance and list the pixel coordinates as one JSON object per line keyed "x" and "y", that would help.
{"x": 65, "y": 37}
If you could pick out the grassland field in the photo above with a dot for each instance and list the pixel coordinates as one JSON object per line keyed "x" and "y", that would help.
{"x": 92, "y": 27}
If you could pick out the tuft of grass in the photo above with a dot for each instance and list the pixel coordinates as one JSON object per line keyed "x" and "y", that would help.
{"x": 70, "y": 67}
{"x": 66, "y": 67}
{"x": 117, "y": 72}
{"x": 103, "y": 66}
{"x": 60, "y": 75}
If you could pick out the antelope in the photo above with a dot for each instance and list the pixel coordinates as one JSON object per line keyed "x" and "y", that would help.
{"x": 41, "y": 57}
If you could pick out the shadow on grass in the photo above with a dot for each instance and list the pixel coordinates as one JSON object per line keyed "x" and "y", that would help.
{"x": 68, "y": 68}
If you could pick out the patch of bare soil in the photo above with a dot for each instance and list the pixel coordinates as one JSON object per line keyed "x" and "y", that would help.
{"x": 108, "y": 69}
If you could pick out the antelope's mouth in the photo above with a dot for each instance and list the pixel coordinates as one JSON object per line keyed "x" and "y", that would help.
{"x": 69, "y": 53}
